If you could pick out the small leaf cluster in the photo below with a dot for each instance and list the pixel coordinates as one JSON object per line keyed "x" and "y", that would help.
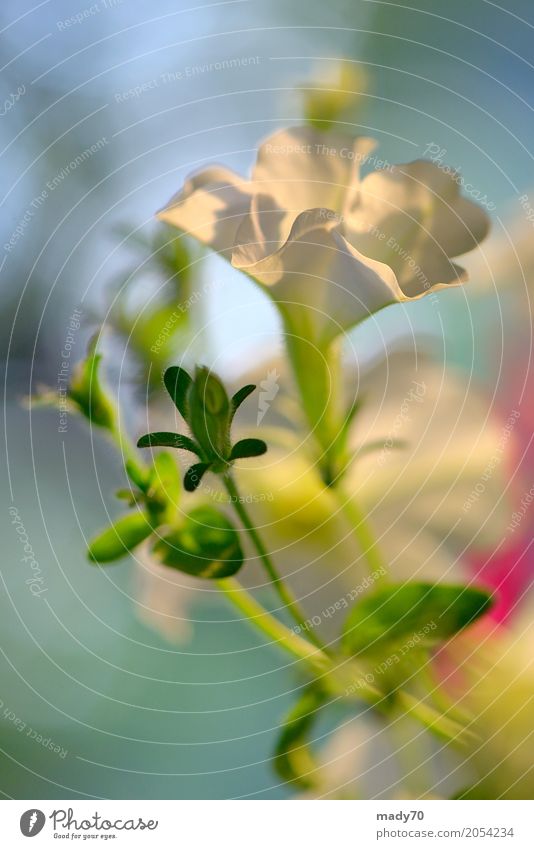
{"x": 86, "y": 394}
{"x": 153, "y": 496}
{"x": 201, "y": 542}
{"x": 204, "y": 404}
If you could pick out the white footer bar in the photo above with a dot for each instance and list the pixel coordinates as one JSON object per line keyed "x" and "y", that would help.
{"x": 268, "y": 824}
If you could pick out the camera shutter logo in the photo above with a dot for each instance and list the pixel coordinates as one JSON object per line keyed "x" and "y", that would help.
{"x": 32, "y": 822}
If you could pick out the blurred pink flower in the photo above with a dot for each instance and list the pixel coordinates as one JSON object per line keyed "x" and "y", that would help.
{"x": 510, "y": 570}
{"x": 509, "y": 573}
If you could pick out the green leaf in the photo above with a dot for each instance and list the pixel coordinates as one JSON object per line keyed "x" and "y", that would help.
{"x": 341, "y": 440}
{"x": 293, "y": 759}
{"x": 240, "y": 396}
{"x": 194, "y": 475}
{"x": 169, "y": 440}
{"x": 209, "y": 411}
{"x": 140, "y": 477}
{"x": 393, "y": 614}
{"x": 206, "y": 545}
{"x": 177, "y": 382}
{"x": 248, "y": 448}
{"x": 88, "y": 394}
{"x": 120, "y": 538}
{"x": 131, "y": 496}
{"x": 124, "y": 494}
{"x": 165, "y": 484}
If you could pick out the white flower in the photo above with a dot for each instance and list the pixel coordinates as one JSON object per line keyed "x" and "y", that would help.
{"x": 330, "y": 247}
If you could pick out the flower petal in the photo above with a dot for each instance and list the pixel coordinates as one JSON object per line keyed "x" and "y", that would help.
{"x": 302, "y": 168}
{"x": 210, "y": 207}
{"x": 316, "y": 277}
{"x": 413, "y": 218}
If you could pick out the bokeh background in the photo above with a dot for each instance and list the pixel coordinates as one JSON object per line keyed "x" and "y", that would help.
{"x": 155, "y": 92}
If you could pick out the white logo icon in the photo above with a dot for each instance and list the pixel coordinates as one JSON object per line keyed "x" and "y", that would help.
{"x": 269, "y": 391}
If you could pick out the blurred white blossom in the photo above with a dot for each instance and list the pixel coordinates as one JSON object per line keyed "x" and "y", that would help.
{"x": 330, "y": 247}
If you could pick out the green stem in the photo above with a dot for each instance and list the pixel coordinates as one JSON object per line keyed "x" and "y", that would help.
{"x": 338, "y": 675}
{"x": 316, "y": 371}
{"x": 127, "y": 449}
{"x": 272, "y": 628}
{"x": 444, "y": 727}
{"x": 278, "y": 584}
{"x": 362, "y": 531}
{"x": 438, "y": 694}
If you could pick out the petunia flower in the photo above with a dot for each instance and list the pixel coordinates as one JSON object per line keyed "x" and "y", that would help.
{"x": 510, "y": 569}
{"x": 329, "y": 246}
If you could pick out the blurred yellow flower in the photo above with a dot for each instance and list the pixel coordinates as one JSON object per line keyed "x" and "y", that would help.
{"x": 334, "y": 93}
{"x": 493, "y": 678}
